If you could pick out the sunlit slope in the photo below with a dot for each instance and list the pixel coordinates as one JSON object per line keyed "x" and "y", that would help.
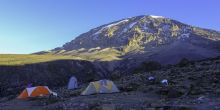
{"x": 22, "y": 59}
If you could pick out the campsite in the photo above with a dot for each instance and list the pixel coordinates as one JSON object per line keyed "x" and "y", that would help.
{"x": 142, "y": 88}
{"x": 109, "y": 55}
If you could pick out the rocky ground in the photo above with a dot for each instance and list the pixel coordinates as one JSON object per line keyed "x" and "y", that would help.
{"x": 191, "y": 86}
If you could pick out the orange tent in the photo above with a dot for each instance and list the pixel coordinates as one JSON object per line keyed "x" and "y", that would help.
{"x": 35, "y": 91}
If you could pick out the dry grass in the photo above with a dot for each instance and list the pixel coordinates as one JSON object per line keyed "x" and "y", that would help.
{"x": 22, "y": 59}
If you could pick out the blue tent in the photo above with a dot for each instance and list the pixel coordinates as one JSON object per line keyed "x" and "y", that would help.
{"x": 73, "y": 84}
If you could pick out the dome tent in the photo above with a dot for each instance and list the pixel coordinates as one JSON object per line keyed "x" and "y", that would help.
{"x": 35, "y": 92}
{"x": 73, "y": 84}
{"x": 101, "y": 86}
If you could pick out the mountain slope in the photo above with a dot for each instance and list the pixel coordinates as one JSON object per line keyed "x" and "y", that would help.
{"x": 143, "y": 38}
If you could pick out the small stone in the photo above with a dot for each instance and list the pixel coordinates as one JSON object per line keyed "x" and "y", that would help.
{"x": 154, "y": 105}
{"x": 108, "y": 107}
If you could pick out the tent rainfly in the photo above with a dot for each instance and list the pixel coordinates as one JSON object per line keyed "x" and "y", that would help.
{"x": 35, "y": 92}
{"x": 101, "y": 86}
{"x": 73, "y": 84}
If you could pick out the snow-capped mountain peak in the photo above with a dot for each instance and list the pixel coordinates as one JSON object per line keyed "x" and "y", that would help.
{"x": 147, "y": 34}
{"x": 111, "y": 25}
{"x": 154, "y": 16}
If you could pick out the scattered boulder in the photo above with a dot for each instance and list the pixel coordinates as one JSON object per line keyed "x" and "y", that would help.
{"x": 164, "y": 82}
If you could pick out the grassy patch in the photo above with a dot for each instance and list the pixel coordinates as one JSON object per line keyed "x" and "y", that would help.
{"x": 107, "y": 54}
{"x": 22, "y": 59}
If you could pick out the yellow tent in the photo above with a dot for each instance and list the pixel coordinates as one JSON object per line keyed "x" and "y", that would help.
{"x": 101, "y": 86}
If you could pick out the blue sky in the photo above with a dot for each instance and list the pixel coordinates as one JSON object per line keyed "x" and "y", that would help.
{"x": 28, "y": 26}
